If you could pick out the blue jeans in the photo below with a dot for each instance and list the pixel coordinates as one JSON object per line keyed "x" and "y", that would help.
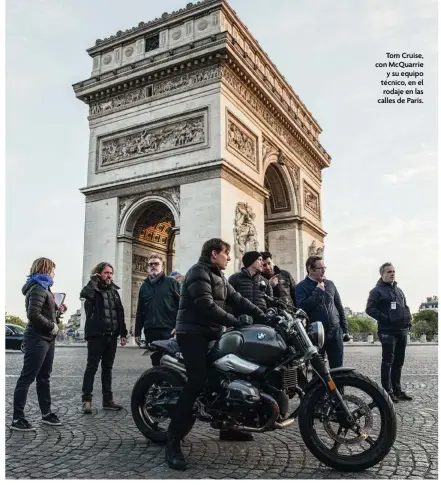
{"x": 333, "y": 347}
{"x": 37, "y": 364}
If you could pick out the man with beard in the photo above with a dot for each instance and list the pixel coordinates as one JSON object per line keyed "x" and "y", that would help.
{"x": 158, "y": 304}
{"x": 281, "y": 281}
{"x": 387, "y": 304}
{"x": 104, "y": 323}
{"x": 247, "y": 280}
{"x": 201, "y": 318}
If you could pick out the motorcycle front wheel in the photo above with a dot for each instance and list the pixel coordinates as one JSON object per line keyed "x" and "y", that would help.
{"x": 151, "y": 401}
{"x": 329, "y": 436}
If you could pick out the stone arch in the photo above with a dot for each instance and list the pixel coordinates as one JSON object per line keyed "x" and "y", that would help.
{"x": 283, "y": 192}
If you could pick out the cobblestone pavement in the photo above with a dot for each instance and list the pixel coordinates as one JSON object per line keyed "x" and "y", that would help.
{"x": 108, "y": 445}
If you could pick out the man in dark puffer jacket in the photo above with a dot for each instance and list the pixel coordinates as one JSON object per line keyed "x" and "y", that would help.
{"x": 281, "y": 281}
{"x": 247, "y": 281}
{"x": 104, "y": 323}
{"x": 201, "y": 316}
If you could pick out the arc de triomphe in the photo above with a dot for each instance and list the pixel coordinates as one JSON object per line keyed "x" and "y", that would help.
{"x": 195, "y": 134}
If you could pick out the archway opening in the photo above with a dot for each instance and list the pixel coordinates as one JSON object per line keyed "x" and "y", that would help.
{"x": 153, "y": 232}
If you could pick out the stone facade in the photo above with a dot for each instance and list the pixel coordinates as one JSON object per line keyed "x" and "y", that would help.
{"x": 194, "y": 134}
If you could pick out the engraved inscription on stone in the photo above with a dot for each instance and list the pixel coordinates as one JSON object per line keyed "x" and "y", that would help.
{"x": 241, "y": 141}
{"x": 150, "y": 140}
{"x": 311, "y": 200}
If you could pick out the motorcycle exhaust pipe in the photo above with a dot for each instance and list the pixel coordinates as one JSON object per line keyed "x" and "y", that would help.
{"x": 169, "y": 361}
{"x": 284, "y": 424}
{"x": 271, "y": 421}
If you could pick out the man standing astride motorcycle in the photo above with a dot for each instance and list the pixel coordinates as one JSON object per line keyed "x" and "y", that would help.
{"x": 158, "y": 304}
{"x": 387, "y": 304}
{"x": 280, "y": 280}
{"x": 201, "y": 316}
{"x": 320, "y": 299}
{"x": 104, "y": 323}
{"x": 247, "y": 281}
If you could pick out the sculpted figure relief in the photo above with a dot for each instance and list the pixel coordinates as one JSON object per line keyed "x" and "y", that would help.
{"x": 245, "y": 234}
{"x": 154, "y": 140}
{"x": 313, "y": 250}
{"x": 241, "y": 142}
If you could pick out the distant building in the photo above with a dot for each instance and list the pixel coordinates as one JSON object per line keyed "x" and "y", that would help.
{"x": 74, "y": 320}
{"x": 431, "y": 303}
{"x": 362, "y": 315}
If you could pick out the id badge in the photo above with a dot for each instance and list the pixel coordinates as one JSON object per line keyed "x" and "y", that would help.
{"x": 393, "y": 305}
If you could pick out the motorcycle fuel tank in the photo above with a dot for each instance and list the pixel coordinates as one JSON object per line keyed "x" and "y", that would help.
{"x": 261, "y": 344}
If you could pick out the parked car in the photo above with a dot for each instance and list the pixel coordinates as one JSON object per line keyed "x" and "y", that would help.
{"x": 14, "y": 337}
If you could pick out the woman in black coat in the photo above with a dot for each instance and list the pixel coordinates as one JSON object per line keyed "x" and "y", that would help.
{"x": 39, "y": 344}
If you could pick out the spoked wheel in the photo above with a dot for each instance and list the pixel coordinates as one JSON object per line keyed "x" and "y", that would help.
{"x": 153, "y": 401}
{"x": 332, "y": 439}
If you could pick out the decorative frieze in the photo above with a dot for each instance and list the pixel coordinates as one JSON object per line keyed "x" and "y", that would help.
{"x": 241, "y": 141}
{"x": 153, "y": 139}
{"x": 240, "y": 89}
{"x": 157, "y": 90}
{"x": 311, "y": 200}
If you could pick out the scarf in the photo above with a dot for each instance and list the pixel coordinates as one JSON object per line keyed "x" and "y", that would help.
{"x": 155, "y": 279}
{"x": 43, "y": 280}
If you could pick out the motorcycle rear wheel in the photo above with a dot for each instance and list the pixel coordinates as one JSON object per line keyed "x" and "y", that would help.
{"x": 309, "y": 413}
{"x": 149, "y": 381}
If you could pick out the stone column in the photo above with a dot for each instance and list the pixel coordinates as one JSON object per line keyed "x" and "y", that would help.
{"x": 123, "y": 275}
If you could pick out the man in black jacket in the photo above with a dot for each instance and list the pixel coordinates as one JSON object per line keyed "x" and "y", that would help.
{"x": 320, "y": 299}
{"x": 387, "y": 304}
{"x": 247, "y": 281}
{"x": 158, "y": 304}
{"x": 281, "y": 281}
{"x": 201, "y": 316}
{"x": 104, "y": 323}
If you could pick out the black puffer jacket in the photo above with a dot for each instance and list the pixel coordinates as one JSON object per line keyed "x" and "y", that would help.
{"x": 41, "y": 309}
{"x": 204, "y": 295}
{"x": 286, "y": 287}
{"x": 104, "y": 310}
{"x": 248, "y": 287}
{"x": 379, "y": 306}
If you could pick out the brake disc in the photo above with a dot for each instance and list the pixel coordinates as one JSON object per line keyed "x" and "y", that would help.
{"x": 363, "y": 431}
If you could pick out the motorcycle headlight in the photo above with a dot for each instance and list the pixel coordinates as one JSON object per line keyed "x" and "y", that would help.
{"x": 316, "y": 333}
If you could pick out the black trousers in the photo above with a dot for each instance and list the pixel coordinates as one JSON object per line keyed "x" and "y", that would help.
{"x": 394, "y": 351}
{"x": 100, "y": 349}
{"x": 37, "y": 364}
{"x": 156, "y": 334}
{"x": 194, "y": 349}
{"x": 333, "y": 347}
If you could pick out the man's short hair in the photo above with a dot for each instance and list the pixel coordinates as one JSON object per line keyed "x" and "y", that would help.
{"x": 155, "y": 256}
{"x": 266, "y": 255}
{"x": 214, "y": 244}
{"x": 383, "y": 267}
{"x": 99, "y": 268}
{"x": 310, "y": 262}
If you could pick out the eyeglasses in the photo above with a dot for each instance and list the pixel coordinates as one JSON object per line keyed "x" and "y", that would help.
{"x": 320, "y": 267}
{"x": 154, "y": 264}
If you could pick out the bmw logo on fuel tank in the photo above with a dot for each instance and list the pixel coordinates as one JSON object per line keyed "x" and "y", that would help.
{"x": 260, "y": 336}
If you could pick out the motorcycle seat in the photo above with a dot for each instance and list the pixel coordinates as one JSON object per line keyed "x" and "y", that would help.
{"x": 171, "y": 345}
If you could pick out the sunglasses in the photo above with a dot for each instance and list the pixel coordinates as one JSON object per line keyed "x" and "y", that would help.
{"x": 154, "y": 264}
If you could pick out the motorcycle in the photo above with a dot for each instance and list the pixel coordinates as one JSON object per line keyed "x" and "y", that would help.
{"x": 346, "y": 420}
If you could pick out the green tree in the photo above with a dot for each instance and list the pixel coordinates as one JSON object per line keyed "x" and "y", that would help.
{"x": 425, "y": 322}
{"x": 362, "y": 325}
{"x": 12, "y": 319}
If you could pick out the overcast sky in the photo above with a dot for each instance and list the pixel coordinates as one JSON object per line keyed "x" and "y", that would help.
{"x": 379, "y": 198}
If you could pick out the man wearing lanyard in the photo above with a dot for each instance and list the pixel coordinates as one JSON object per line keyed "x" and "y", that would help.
{"x": 387, "y": 304}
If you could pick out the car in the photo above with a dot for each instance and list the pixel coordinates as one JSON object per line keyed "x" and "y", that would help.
{"x": 14, "y": 337}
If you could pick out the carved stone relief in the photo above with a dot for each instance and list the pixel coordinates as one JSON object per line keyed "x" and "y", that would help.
{"x": 311, "y": 200}
{"x": 159, "y": 89}
{"x": 313, "y": 250}
{"x": 140, "y": 264}
{"x": 241, "y": 141}
{"x": 262, "y": 112}
{"x": 245, "y": 234}
{"x": 151, "y": 140}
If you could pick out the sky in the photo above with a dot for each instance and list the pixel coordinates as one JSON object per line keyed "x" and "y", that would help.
{"x": 379, "y": 196}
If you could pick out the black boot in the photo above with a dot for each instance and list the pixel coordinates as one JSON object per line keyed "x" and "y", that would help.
{"x": 173, "y": 453}
{"x": 235, "y": 435}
